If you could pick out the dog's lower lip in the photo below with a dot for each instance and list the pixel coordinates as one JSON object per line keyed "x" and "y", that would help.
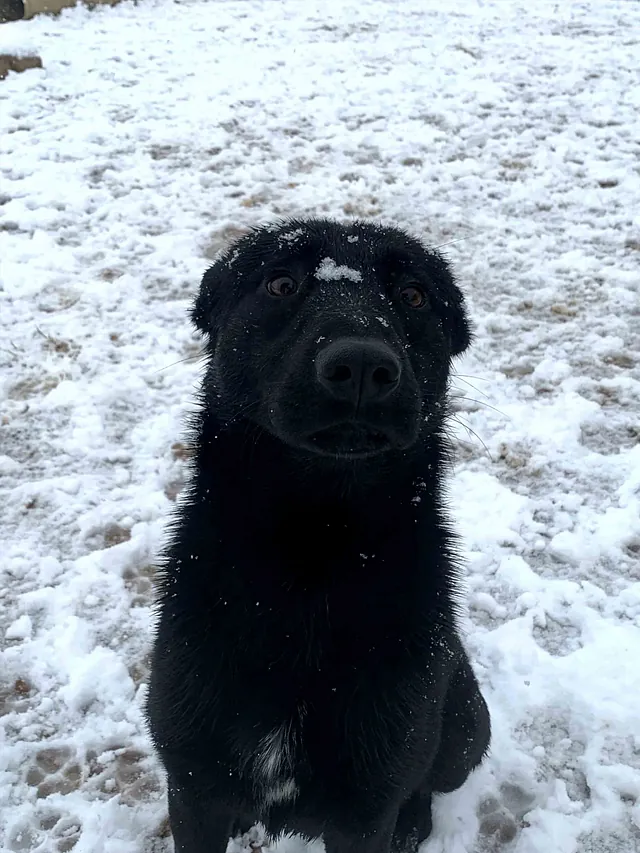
{"x": 349, "y": 439}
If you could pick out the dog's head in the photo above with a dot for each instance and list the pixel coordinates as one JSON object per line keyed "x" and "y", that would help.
{"x": 336, "y": 339}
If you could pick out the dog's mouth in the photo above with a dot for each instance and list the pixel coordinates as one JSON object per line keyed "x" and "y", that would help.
{"x": 349, "y": 440}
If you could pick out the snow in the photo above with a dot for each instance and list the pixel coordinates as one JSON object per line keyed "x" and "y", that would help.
{"x": 329, "y": 270}
{"x": 154, "y": 134}
{"x": 292, "y": 236}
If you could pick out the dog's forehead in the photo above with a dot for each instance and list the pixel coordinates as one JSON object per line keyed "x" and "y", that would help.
{"x": 332, "y": 252}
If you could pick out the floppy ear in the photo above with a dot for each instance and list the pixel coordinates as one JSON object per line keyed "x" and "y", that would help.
{"x": 457, "y": 320}
{"x": 450, "y": 304}
{"x": 204, "y": 309}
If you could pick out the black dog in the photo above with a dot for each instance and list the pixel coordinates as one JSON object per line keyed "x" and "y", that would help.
{"x": 307, "y": 671}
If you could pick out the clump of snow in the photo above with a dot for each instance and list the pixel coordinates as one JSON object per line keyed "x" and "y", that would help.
{"x": 20, "y": 629}
{"x": 8, "y": 465}
{"x": 292, "y": 236}
{"x": 18, "y": 41}
{"x": 233, "y": 257}
{"x": 329, "y": 270}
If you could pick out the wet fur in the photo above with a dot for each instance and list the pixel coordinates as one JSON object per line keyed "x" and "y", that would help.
{"x": 308, "y": 601}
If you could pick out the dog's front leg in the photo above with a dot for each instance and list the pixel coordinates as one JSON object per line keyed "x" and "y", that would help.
{"x": 414, "y": 823}
{"x": 199, "y": 825}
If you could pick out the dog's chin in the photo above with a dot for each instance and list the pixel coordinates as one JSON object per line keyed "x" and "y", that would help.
{"x": 347, "y": 440}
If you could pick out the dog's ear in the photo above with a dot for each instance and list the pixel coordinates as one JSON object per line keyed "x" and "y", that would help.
{"x": 450, "y": 304}
{"x": 205, "y": 306}
{"x": 456, "y": 320}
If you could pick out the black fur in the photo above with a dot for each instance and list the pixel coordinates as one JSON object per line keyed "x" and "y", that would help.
{"x": 307, "y": 670}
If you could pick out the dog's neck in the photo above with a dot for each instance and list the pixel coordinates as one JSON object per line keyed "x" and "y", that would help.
{"x": 318, "y": 530}
{"x": 253, "y": 479}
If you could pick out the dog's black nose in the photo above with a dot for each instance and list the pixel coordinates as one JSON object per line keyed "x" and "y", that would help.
{"x": 358, "y": 371}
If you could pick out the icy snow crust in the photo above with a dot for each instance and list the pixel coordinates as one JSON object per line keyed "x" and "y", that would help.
{"x": 154, "y": 134}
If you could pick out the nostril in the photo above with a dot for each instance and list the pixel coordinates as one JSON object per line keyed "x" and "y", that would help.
{"x": 338, "y": 373}
{"x": 384, "y": 376}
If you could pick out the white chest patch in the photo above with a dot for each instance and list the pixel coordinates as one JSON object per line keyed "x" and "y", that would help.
{"x": 274, "y": 755}
{"x": 283, "y": 792}
{"x": 273, "y": 766}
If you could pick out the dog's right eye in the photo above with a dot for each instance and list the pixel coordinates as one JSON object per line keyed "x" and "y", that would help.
{"x": 282, "y": 285}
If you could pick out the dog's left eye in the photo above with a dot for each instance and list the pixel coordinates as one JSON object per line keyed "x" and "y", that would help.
{"x": 413, "y": 296}
{"x": 282, "y": 285}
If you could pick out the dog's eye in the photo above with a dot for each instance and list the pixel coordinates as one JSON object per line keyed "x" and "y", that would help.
{"x": 282, "y": 285}
{"x": 413, "y": 296}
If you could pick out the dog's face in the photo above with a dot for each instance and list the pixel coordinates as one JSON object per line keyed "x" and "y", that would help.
{"x": 335, "y": 339}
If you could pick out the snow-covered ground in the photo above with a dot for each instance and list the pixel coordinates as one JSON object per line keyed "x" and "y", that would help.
{"x": 154, "y": 133}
